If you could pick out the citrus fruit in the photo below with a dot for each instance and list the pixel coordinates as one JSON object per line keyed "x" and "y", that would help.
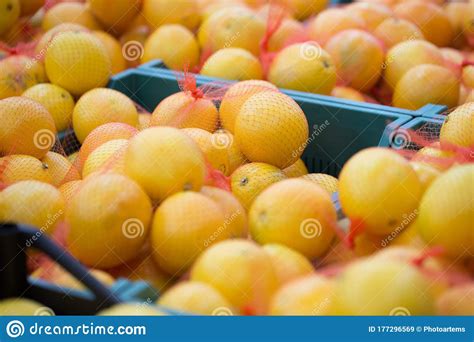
{"x": 164, "y": 160}
{"x": 161, "y": 12}
{"x": 31, "y": 202}
{"x": 410, "y": 91}
{"x": 241, "y": 271}
{"x": 100, "y": 106}
{"x": 327, "y": 182}
{"x": 302, "y": 9}
{"x": 358, "y": 58}
{"x": 448, "y": 203}
{"x": 392, "y": 31}
{"x": 405, "y": 55}
{"x": 102, "y": 134}
{"x": 458, "y": 127}
{"x": 297, "y": 169}
{"x": 433, "y": 155}
{"x": 377, "y": 286}
{"x": 46, "y": 39}
{"x": 426, "y": 173}
{"x": 30, "y": 7}
{"x": 69, "y": 12}
{"x": 456, "y": 12}
{"x": 77, "y": 62}
{"x": 289, "y": 32}
{"x": 18, "y": 73}
{"x": 184, "y": 225}
{"x": 373, "y": 14}
{"x": 454, "y": 60}
{"x": 185, "y": 110}
{"x": 208, "y": 7}
{"x": 468, "y": 75}
{"x": 236, "y": 27}
{"x": 56, "y": 100}
{"x": 233, "y": 64}
{"x": 271, "y": 128}
{"x": 305, "y": 67}
{"x": 115, "y": 16}
{"x": 144, "y": 121}
{"x": 18, "y": 167}
{"x": 295, "y": 213}
{"x": 132, "y": 309}
{"x": 108, "y": 219}
{"x": 108, "y": 157}
{"x": 9, "y": 14}
{"x": 60, "y": 169}
{"x": 287, "y": 263}
{"x": 193, "y": 297}
{"x": 27, "y": 127}
{"x": 20, "y": 307}
{"x": 161, "y": 45}
{"x": 251, "y": 179}
{"x": 114, "y": 51}
{"x": 431, "y": 19}
{"x": 468, "y": 24}
{"x": 70, "y": 189}
{"x": 378, "y": 202}
{"x": 456, "y": 301}
{"x": 331, "y": 21}
{"x": 235, "y": 217}
{"x": 347, "y": 93}
{"x": 225, "y": 140}
{"x": 310, "y": 295}
{"x": 236, "y": 96}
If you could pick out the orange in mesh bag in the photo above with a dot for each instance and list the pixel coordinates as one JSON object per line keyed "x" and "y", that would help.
{"x": 19, "y": 70}
{"x": 193, "y": 107}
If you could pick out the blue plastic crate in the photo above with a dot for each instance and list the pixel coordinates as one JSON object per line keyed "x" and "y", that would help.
{"x": 429, "y": 110}
{"x": 338, "y": 129}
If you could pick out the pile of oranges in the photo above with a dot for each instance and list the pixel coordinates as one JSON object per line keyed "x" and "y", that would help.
{"x": 208, "y": 198}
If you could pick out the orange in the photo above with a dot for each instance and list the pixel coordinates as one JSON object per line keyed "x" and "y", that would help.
{"x": 31, "y": 202}
{"x": 233, "y": 64}
{"x": 271, "y": 128}
{"x": 392, "y": 31}
{"x": 294, "y": 213}
{"x": 426, "y": 173}
{"x": 371, "y": 13}
{"x": 405, "y": 55}
{"x": 114, "y": 50}
{"x": 327, "y": 182}
{"x": 457, "y": 12}
{"x": 458, "y": 127}
{"x": 184, "y": 110}
{"x": 331, "y": 21}
{"x": 236, "y": 96}
{"x": 16, "y": 167}
{"x": 378, "y": 204}
{"x": 100, "y": 106}
{"x": 161, "y": 45}
{"x": 242, "y": 271}
{"x": 302, "y": 9}
{"x": 27, "y": 127}
{"x": 358, "y": 58}
{"x": 289, "y": 31}
{"x": 297, "y": 169}
{"x": 305, "y": 67}
{"x": 46, "y": 39}
{"x": 30, "y": 7}
{"x": 143, "y": 121}
{"x": 70, "y": 189}
{"x": 60, "y": 169}
{"x": 164, "y": 161}
{"x": 108, "y": 220}
{"x": 184, "y": 225}
{"x": 161, "y": 12}
{"x": 115, "y": 16}
{"x": 431, "y": 19}
{"x": 83, "y": 56}
{"x": 69, "y": 12}
{"x": 310, "y": 295}
{"x": 9, "y": 14}
{"x": 410, "y": 91}
{"x": 348, "y": 93}
{"x": 457, "y": 301}
{"x": 251, "y": 179}
{"x": 108, "y": 157}
{"x": 288, "y": 263}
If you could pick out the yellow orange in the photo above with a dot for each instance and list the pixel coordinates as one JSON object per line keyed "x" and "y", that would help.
{"x": 18, "y": 73}
{"x": 69, "y": 12}
{"x": 161, "y": 12}
{"x": 392, "y": 31}
{"x": 327, "y": 182}
{"x": 108, "y": 157}
{"x": 18, "y": 167}
{"x": 114, "y": 51}
{"x": 60, "y": 169}
{"x": 297, "y": 169}
{"x": 458, "y": 127}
